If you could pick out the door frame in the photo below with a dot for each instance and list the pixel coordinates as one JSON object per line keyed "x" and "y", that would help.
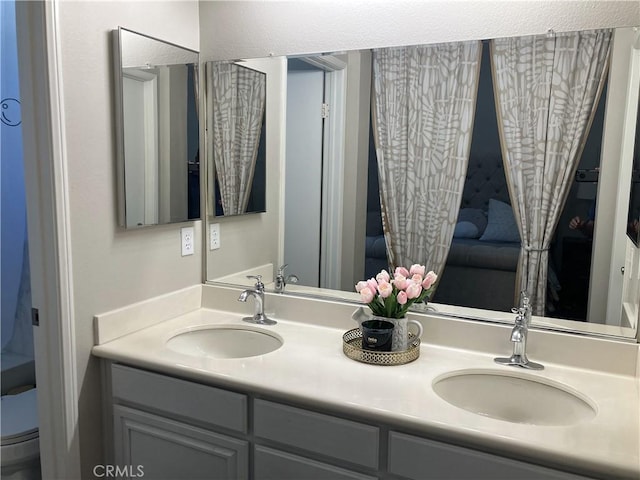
{"x": 605, "y": 283}
{"x": 332, "y": 173}
{"x": 618, "y": 275}
{"x": 333, "y": 176}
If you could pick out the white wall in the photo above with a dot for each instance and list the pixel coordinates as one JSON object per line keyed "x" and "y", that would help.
{"x": 258, "y": 29}
{"x": 111, "y": 267}
{"x": 356, "y": 168}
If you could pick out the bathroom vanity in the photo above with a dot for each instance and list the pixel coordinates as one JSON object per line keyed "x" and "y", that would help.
{"x": 305, "y": 410}
{"x": 181, "y": 429}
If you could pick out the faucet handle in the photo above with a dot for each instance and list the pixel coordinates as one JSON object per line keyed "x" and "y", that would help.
{"x": 259, "y": 286}
{"x": 281, "y": 269}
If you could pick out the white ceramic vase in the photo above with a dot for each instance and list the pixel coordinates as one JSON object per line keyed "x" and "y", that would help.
{"x": 400, "y": 338}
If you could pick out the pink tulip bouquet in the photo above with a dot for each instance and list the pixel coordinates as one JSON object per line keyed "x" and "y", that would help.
{"x": 392, "y": 297}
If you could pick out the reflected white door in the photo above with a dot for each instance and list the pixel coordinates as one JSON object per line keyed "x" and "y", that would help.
{"x": 134, "y": 146}
{"x": 303, "y": 175}
{"x": 140, "y": 145}
{"x": 610, "y": 242}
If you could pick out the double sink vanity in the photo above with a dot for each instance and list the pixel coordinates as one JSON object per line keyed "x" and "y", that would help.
{"x": 193, "y": 391}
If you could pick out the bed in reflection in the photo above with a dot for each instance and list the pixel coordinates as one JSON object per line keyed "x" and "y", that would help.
{"x": 481, "y": 267}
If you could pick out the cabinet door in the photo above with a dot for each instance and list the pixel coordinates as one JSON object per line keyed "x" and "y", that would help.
{"x": 270, "y": 464}
{"x": 421, "y": 459}
{"x": 154, "y": 447}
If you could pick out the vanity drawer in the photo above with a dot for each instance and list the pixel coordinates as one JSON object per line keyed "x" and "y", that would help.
{"x": 270, "y": 464}
{"x": 421, "y": 459}
{"x": 180, "y": 398}
{"x": 334, "y": 437}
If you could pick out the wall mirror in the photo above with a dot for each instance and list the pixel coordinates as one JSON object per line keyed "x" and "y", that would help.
{"x": 236, "y": 126}
{"x": 347, "y": 243}
{"x": 157, "y": 131}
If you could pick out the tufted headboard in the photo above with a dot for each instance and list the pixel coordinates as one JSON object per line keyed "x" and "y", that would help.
{"x": 485, "y": 180}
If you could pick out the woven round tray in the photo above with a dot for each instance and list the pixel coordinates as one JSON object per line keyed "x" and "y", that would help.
{"x": 352, "y": 348}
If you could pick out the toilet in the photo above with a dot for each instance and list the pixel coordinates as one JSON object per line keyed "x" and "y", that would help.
{"x": 20, "y": 452}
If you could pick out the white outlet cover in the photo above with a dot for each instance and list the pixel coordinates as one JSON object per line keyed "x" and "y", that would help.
{"x": 214, "y": 236}
{"x": 187, "y": 241}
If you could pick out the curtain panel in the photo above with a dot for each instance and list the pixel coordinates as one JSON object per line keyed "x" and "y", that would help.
{"x": 423, "y": 103}
{"x": 546, "y": 90}
{"x": 236, "y": 98}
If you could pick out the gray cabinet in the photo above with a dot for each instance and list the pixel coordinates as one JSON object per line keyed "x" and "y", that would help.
{"x": 181, "y": 399}
{"x": 316, "y": 433}
{"x": 271, "y": 464}
{"x": 421, "y": 459}
{"x": 169, "y": 428}
{"x": 159, "y": 448}
{"x": 311, "y": 445}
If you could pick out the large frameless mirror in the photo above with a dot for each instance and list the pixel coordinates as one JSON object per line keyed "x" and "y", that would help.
{"x": 157, "y": 131}
{"x": 338, "y": 198}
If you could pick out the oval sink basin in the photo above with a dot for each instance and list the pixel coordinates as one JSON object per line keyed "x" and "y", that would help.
{"x": 224, "y": 342}
{"x": 512, "y": 398}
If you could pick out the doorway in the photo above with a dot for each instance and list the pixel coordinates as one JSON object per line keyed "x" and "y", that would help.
{"x": 14, "y": 210}
{"x": 20, "y": 455}
{"x": 314, "y": 169}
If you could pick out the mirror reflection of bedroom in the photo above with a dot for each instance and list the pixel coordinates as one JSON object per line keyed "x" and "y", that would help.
{"x": 480, "y": 269}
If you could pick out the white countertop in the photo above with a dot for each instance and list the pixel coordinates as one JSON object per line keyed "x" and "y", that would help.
{"x": 311, "y": 368}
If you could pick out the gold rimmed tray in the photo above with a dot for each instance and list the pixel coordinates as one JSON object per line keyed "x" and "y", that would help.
{"x": 352, "y": 348}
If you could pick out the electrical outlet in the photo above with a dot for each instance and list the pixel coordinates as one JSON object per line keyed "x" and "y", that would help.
{"x": 188, "y": 241}
{"x": 214, "y": 236}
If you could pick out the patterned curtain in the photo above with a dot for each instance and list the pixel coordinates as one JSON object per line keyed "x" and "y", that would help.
{"x": 235, "y": 103}
{"x": 546, "y": 90}
{"x": 424, "y": 101}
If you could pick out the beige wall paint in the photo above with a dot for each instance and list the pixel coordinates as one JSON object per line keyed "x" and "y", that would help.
{"x": 111, "y": 267}
{"x": 354, "y": 206}
{"x": 250, "y": 29}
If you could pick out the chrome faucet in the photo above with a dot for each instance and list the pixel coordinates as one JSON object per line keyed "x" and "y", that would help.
{"x": 258, "y": 294}
{"x": 281, "y": 281}
{"x": 519, "y": 337}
